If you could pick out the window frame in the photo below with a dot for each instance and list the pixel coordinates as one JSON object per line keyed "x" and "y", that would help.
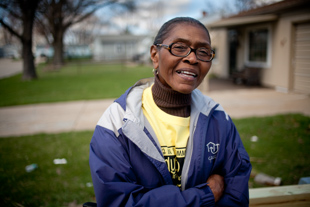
{"x": 120, "y": 48}
{"x": 260, "y": 64}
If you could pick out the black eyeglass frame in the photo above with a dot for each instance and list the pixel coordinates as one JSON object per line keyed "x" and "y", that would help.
{"x": 168, "y": 47}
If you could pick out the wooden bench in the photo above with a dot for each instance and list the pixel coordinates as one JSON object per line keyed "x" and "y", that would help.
{"x": 284, "y": 196}
{"x": 247, "y": 76}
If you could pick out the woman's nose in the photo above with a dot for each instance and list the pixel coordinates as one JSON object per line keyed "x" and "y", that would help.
{"x": 191, "y": 58}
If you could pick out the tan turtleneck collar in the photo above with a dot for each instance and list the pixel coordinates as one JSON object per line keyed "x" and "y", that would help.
{"x": 170, "y": 101}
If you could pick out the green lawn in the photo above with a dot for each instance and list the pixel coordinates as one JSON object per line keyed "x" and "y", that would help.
{"x": 282, "y": 150}
{"x": 75, "y": 81}
{"x": 50, "y": 184}
{"x": 283, "y": 146}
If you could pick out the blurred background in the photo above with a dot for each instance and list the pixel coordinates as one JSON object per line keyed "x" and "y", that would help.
{"x": 62, "y": 62}
{"x": 256, "y": 41}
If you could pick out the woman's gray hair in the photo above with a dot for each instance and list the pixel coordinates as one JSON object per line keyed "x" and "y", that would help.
{"x": 167, "y": 27}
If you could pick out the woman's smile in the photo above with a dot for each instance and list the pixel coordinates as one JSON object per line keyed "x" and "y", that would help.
{"x": 187, "y": 74}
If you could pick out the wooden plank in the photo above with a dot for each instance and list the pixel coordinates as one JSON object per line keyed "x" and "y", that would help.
{"x": 292, "y": 195}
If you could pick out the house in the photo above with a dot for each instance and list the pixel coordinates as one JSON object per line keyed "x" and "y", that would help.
{"x": 124, "y": 47}
{"x": 274, "y": 39}
{"x": 78, "y": 51}
{"x": 44, "y": 51}
{"x": 70, "y": 51}
{"x": 10, "y": 51}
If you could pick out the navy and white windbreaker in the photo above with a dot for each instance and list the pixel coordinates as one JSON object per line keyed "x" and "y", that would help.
{"x": 128, "y": 168}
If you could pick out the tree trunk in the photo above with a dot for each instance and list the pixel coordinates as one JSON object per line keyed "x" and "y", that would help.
{"x": 29, "y": 71}
{"x": 58, "y": 46}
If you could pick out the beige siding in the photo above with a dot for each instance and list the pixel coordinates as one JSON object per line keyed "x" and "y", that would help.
{"x": 302, "y": 58}
{"x": 219, "y": 41}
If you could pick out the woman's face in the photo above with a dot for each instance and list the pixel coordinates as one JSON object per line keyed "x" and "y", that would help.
{"x": 171, "y": 68}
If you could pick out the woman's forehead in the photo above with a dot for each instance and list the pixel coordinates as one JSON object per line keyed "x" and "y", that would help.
{"x": 187, "y": 33}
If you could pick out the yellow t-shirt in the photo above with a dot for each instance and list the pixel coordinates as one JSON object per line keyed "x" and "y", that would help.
{"x": 172, "y": 133}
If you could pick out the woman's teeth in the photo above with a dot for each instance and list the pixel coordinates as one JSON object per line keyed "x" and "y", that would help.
{"x": 187, "y": 73}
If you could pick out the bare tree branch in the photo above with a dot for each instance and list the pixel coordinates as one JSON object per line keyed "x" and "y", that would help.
{"x": 58, "y": 16}
{"x": 11, "y": 11}
{"x": 10, "y": 29}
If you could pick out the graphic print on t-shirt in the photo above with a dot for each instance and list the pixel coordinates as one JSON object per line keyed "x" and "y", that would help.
{"x": 174, "y": 158}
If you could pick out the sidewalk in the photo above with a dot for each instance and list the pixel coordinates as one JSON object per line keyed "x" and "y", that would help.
{"x": 83, "y": 115}
{"x": 9, "y": 67}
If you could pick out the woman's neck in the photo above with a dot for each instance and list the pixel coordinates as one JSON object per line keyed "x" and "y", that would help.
{"x": 170, "y": 101}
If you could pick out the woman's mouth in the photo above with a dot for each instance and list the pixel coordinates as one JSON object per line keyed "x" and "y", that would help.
{"x": 186, "y": 73}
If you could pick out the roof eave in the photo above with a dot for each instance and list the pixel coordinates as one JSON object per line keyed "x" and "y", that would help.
{"x": 237, "y": 21}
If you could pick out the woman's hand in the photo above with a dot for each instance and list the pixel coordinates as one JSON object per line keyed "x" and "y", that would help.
{"x": 216, "y": 184}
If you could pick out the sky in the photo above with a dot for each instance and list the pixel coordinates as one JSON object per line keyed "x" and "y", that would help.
{"x": 192, "y": 8}
{"x": 151, "y": 14}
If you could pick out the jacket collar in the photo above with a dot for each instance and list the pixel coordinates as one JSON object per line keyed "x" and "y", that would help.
{"x": 200, "y": 103}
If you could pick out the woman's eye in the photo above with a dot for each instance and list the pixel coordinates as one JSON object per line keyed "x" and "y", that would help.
{"x": 205, "y": 52}
{"x": 180, "y": 46}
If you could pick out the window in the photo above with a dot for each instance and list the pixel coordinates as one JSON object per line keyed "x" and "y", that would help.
{"x": 258, "y": 47}
{"x": 119, "y": 47}
{"x": 258, "y": 41}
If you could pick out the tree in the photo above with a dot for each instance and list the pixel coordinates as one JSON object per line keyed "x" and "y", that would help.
{"x": 17, "y": 16}
{"x": 244, "y": 5}
{"x": 82, "y": 33}
{"x": 59, "y": 15}
{"x": 228, "y": 7}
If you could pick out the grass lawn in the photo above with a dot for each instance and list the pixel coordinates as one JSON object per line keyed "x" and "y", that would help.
{"x": 75, "y": 81}
{"x": 283, "y": 146}
{"x": 282, "y": 150}
{"x": 50, "y": 184}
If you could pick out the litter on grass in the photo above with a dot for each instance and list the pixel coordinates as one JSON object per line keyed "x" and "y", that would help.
{"x": 89, "y": 184}
{"x": 264, "y": 179}
{"x": 32, "y": 167}
{"x": 60, "y": 161}
{"x": 254, "y": 138}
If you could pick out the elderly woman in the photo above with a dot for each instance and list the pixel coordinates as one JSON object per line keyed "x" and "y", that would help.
{"x": 163, "y": 143}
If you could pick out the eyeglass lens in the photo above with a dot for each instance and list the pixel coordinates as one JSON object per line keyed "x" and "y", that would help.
{"x": 182, "y": 50}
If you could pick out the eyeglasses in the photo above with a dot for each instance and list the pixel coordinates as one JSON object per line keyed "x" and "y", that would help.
{"x": 180, "y": 49}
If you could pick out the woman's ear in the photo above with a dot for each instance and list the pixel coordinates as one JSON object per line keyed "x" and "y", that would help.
{"x": 154, "y": 56}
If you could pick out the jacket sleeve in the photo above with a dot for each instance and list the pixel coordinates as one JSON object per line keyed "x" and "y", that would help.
{"x": 115, "y": 183}
{"x": 236, "y": 170}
